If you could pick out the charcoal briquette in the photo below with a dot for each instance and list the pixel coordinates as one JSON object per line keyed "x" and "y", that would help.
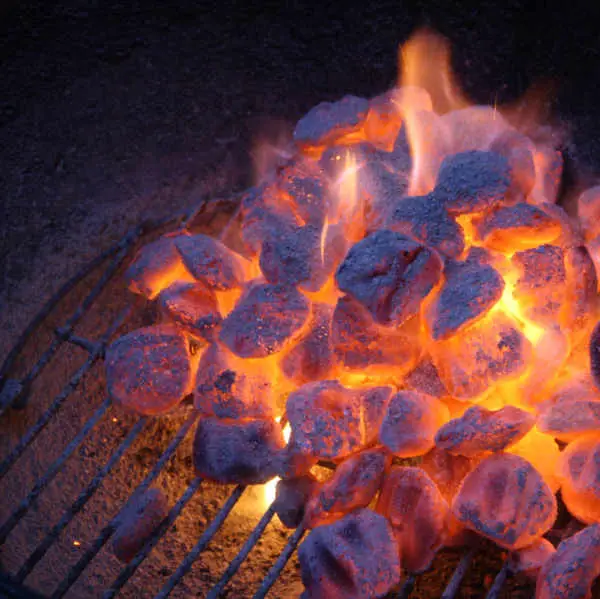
{"x": 265, "y": 317}
{"x": 355, "y": 558}
{"x": 389, "y": 274}
{"x": 241, "y": 452}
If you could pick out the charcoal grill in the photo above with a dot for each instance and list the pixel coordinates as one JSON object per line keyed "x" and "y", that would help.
{"x": 17, "y": 400}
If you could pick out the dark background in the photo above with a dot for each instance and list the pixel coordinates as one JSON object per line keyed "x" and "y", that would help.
{"x": 113, "y": 110}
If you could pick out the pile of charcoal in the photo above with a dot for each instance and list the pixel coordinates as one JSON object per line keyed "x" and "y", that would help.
{"x": 437, "y": 350}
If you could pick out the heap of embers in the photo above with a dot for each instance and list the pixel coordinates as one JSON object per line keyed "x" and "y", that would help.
{"x": 405, "y": 286}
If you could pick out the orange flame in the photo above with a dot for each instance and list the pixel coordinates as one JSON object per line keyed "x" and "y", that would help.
{"x": 425, "y": 64}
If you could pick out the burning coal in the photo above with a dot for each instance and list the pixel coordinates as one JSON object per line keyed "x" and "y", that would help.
{"x": 403, "y": 285}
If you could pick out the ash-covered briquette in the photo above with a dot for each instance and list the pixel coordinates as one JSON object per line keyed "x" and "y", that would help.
{"x": 491, "y": 350}
{"x": 237, "y": 451}
{"x": 192, "y": 305}
{"x": 521, "y": 226}
{"x": 312, "y": 358}
{"x": 361, "y": 344}
{"x": 210, "y": 261}
{"x": 410, "y": 423}
{"x": 291, "y": 496}
{"x": 417, "y": 513}
{"x": 261, "y": 213}
{"x": 588, "y": 212}
{"x": 518, "y": 150}
{"x": 301, "y": 185}
{"x": 530, "y": 560}
{"x": 595, "y": 355}
{"x": 329, "y": 121}
{"x": 426, "y": 379}
{"x": 147, "y": 270}
{"x": 426, "y": 219}
{"x": 293, "y": 256}
{"x": 353, "y": 485}
{"x": 571, "y": 234}
{"x": 571, "y": 571}
{"x": 568, "y": 419}
{"x": 382, "y": 185}
{"x": 355, "y": 558}
{"x": 479, "y": 430}
{"x": 541, "y": 286}
{"x": 472, "y": 181}
{"x": 264, "y": 318}
{"x": 582, "y": 288}
{"x": 469, "y": 289}
{"x": 506, "y": 500}
{"x": 390, "y": 275}
{"x": 329, "y": 421}
{"x": 293, "y": 463}
{"x": 228, "y": 388}
{"x": 137, "y": 522}
{"x": 580, "y": 476}
{"x": 148, "y": 370}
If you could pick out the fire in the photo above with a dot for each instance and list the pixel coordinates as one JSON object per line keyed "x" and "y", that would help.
{"x": 349, "y": 201}
{"x": 532, "y": 331}
{"x": 425, "y": 64}
{"x": 269, "y": 488}
{"x": 405, "y": 281}
{"x": 324, "y": 239}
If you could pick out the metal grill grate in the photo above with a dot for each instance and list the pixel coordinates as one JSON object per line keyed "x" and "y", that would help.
{"x": 15, "y": 394}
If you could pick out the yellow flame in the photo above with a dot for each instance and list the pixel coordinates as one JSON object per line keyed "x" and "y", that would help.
{"x": 532, "y": 331}
{"x": 270, "y": 487}
{"x": 324, "y": 239}
{"x": 348, "y": 188}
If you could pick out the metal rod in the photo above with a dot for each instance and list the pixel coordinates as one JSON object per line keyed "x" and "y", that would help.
{"x": 87, "y": 344}
{"x": 52, "y": 471}
{"x": 80, "y": 502}
{"x": 128, "y": 571}
{"x": 45, "y": 358}
{"x": 50, "y": 305}
{"x": 243, "y": 554}
{"x": 42, "y": 422}
{"x": 499, "y": 581}
{"x": 120, "y": 250}
{"x": 458, "y": 574}
{"x": 203, "y": 541}
{"x": 279, "y": 565}
{"x": 83, "y": 562}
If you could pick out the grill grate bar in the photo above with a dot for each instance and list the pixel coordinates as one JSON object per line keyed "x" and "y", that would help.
{"x": 83, "y": 342}
{"x": 203, "y": 541}
{"x": 76, "y": 571}
{"x": 17, "y": 396}
{"x": 45, "y": 418}
{"x": 71, "y": 322}
{"x": 52, "y": 471}
{"x": 499, "y": 581}
{"x": 48, "y": 307}
{"x": 129, "y": 570}
{"x": 457, "y": 576}
{"x": 243, "y": 554}
{"x": 279, "y": 565}
{"x": 80, "y": 502}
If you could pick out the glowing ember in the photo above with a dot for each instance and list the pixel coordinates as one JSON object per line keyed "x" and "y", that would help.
{"x": 400, "y": 283}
